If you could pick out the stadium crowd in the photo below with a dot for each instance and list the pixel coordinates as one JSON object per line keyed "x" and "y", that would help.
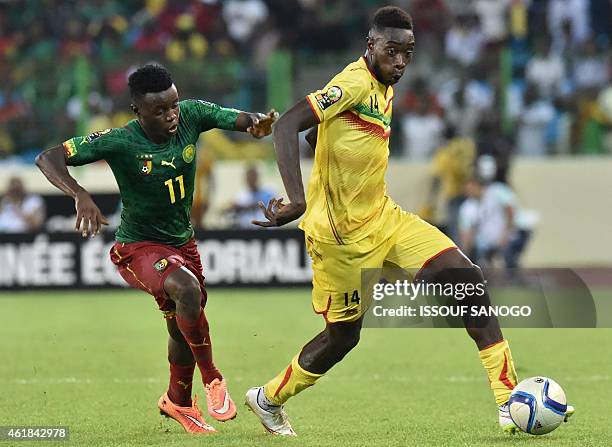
{"x": 537, "y": 71}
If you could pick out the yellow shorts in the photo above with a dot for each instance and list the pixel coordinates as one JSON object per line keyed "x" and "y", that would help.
{"x": 405, "y": 241}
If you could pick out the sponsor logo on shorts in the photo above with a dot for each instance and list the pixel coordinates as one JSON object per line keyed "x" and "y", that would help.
{"x": 161, "y": 265}
{"x": 328, "y": 98}
{"x": 350, "y": 312}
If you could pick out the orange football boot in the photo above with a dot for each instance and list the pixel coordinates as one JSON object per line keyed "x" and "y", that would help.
{"x": 220, "y": 404}
{"x": 189, "y": 417}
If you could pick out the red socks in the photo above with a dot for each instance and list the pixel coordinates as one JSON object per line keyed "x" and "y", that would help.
{"x": 181, "y": 377}
{"x": 196, "y": 334}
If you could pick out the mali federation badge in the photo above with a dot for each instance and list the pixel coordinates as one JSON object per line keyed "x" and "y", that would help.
{"x": 146, "y": 163}
{"x": 189, "y": 153}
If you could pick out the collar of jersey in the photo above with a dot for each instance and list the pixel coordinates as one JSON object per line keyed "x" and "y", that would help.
{"x": 137, "y": 128}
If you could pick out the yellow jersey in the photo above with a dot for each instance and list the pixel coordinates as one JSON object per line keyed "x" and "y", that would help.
{"x": 452, "y": 164}
{"x": 347, "y": 191}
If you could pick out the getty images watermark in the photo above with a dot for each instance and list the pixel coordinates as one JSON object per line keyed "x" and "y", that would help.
{"x": 541, "y": 298}
{"x": 410, "y": 290}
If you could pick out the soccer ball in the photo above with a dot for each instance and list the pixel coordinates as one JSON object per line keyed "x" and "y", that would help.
{"x": 537, "y": 405}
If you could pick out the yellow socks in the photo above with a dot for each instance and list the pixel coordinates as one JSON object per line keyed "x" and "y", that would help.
{"x": 289, "y": 382}
{"x": 497, "y": 360}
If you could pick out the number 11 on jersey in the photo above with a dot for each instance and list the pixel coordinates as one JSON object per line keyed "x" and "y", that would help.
{"x": 170, "y": 186}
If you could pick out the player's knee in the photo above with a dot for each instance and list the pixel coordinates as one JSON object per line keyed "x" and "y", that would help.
{"x": 183, "y": 289}
{"x": 345, "y": 342}
{"x": 462, "y": 272}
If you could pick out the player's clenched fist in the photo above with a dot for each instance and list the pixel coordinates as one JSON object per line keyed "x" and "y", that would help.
{"x": 88, "y": 214}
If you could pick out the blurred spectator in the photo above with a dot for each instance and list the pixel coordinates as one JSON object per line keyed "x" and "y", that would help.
{"x": 491, "y": 225}
{"x": 431, "y": 15}
{"x": 462, "y": 113}
{"x": 419, "y": 95}
{"x": 568, "y": 15}
{"x": 422, "y": 131}
{"x": 605, "y": 105}
{"x": 533, "y": 123}
{"x": 545, "y": 69}
{"x": 493, "y": 17}
{"x": 451, "y": 168}
{"x": 494, "y": 151}
{"x": 433, "y": 19}
{"x": 246, "y": 203}
{"x": 590, "y": 124}
{"x": 242, "y": 16}
{"x": 465, "y": 40}
{"x": 186, "y": 43}
{"x": 20, "y": 212}
{"x": 561, "y": 131}
{"x": 71, "y": 60}
{"x": 591, "y": 69}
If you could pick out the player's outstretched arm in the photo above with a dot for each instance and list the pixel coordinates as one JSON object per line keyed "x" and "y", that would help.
{"x": 257, "y": 124}
{"x": 52, "y": 163}
{"x": 286, "y": 130}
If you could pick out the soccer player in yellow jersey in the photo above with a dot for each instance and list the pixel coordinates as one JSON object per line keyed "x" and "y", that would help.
{"x": 350, "y": 223}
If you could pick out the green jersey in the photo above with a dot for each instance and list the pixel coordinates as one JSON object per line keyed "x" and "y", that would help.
{"x": 156, "y": 181}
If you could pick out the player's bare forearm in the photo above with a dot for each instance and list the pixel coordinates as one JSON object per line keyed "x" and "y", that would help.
{"x": 285, "y": 136}
{"x": 286, "y": 143}
{"x": 52, "y": 163}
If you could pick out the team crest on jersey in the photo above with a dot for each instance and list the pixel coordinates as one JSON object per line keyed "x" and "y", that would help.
{"x": 189, "y": 153}
{"x": 329, "y": 98}
{"x": 94, "y": 136}
{"x": 161, "y": 265}
{"x": 146, "y": 163}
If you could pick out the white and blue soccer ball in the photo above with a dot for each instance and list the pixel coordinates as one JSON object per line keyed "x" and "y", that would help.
{"x": 537, "y": 405}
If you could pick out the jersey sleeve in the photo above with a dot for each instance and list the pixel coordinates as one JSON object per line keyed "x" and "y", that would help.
{"x": 207, "y": 115}
{"x": 87, "y": 149}
{"x": 345, "y": 90}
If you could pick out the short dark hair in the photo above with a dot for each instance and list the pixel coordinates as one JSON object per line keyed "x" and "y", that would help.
{"x": 150, "y": 78}
{"x": 391, "y": 17}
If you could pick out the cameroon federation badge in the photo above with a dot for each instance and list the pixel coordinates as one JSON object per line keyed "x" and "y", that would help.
{"x": 161, "y": 265}
{"x": 146, "y": 163}
{"x": 189, "y": 153}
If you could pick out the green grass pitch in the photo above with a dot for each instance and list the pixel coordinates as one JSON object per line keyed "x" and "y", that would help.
{"x": 96, "y": 362}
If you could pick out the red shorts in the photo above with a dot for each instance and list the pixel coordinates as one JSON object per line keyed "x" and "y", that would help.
{"x": 146, "y": 265}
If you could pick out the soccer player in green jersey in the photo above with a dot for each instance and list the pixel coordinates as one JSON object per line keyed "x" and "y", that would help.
{"x": 153, "y": 160}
